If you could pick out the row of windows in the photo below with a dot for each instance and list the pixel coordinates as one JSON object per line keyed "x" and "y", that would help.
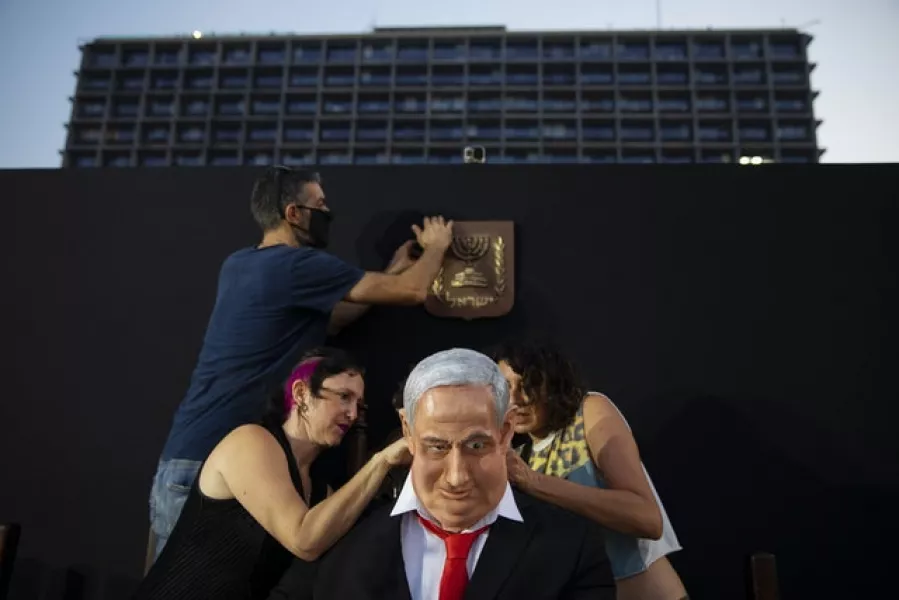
{"x": 425, "y": 50}
{"x": 444, "y": 131}
{"x": 483, "y": 75}
{"x": 262, "y": 106}
{"x": 412, "y": 156}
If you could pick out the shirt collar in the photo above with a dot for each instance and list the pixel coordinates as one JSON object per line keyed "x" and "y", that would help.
{"x": 407, "y": 501}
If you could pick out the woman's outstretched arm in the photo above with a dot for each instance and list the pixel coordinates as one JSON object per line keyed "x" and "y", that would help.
{"x": 253, "y": 467}
{"x": 628, "y": 504}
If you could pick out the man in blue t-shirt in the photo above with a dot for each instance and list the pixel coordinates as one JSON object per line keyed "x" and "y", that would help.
{"x": 276, "y": 301}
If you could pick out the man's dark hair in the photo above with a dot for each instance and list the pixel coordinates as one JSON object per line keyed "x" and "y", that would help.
{"x": 332, "y": 361}
{"x": 547, "y": 377}
{"x": 274, "y": 190}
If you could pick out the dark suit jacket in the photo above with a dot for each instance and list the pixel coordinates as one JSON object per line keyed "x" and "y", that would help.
{"x": 552, "y": 555}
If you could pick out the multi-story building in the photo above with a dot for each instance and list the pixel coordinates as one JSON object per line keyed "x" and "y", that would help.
{"x": 407, "y": 96}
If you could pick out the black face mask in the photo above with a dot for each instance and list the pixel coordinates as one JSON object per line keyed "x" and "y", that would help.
{"x": 319, "y": 227}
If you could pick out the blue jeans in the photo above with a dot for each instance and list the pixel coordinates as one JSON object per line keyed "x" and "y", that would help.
{"x": 171, "y": 484}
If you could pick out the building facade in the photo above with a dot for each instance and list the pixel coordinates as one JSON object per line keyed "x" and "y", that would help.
{"x": 412, "y": 96}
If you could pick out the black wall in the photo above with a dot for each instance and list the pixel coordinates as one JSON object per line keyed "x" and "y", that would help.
{"x": 744, "y": 319}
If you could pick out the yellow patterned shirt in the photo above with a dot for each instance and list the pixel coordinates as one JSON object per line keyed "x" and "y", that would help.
{"x": 567, "y": 451}
{"x": 565, "y": 454}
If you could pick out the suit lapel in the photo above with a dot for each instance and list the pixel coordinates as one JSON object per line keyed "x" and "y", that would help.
{"x": 400, "y": 588}
{"x": 384, "y": 561}
{"x": 387, "y": 551}
{"x": 505, "y": 543}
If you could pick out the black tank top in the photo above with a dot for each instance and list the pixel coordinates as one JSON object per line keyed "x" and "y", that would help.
{"x": 217, "y": 550}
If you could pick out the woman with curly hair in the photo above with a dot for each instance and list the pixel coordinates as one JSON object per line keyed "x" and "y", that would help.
{"x": 581, "y": 455}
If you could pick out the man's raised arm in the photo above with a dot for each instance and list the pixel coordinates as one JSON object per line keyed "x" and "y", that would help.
{"x": 346, "y": 313}
{"x": 411, "y": 286}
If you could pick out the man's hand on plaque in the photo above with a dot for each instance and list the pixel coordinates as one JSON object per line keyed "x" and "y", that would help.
{"x": 435, "y": 233}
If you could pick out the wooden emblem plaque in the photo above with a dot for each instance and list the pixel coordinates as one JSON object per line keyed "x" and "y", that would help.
{"x": 477, "y": 279}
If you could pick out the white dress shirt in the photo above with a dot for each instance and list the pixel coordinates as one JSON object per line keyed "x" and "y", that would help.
{"x": 424, "y": 553}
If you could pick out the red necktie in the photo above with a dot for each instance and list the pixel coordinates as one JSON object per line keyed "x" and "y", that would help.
{"x": 455, "y": 569}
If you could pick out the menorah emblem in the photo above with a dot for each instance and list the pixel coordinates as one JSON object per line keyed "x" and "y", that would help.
{"x": 470, "y": 249}
{"x": 477, "y": 278}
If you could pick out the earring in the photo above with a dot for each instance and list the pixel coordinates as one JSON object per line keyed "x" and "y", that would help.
{"x": 303, "y": 408}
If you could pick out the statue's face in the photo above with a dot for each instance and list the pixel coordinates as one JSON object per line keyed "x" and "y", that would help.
{"x": 458, "y": 454}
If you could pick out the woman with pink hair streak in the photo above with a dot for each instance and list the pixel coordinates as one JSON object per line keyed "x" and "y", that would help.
{"x": 259, "y": 499}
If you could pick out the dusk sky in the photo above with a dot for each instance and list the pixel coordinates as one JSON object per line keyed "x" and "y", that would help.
{"x": 856, "y": 47}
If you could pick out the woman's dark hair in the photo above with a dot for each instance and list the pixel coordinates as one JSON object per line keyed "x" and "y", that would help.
{"x": 547, "y": 377}
{"x": 314, "y": 367}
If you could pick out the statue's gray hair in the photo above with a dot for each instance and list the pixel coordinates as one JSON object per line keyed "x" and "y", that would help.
{"x": 458, "y": 366}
